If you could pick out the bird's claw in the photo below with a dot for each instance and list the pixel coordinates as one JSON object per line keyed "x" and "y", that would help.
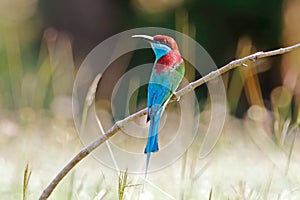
{"x": 175, "y": 98}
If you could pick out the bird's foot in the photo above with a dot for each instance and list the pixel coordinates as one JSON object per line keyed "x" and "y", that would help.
{"x": 175, "y": 98}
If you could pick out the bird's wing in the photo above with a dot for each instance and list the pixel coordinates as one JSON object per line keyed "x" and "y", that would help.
{"x": 176, "y": 76}
{"x": 162, "y": 86}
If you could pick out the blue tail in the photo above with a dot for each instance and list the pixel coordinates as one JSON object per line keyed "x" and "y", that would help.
{"x": 152, "y": 143}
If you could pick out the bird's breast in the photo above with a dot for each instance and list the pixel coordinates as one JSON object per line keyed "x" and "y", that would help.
{"x": 167, "y": 62}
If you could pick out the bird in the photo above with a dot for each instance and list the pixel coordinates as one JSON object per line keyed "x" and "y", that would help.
{"x": 167, "y": 73}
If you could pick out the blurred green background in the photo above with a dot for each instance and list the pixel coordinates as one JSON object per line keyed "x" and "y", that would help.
{"x": 36, "y": 35}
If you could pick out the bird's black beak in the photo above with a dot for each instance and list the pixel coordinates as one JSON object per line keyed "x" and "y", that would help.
{"x": 145, "y": 37}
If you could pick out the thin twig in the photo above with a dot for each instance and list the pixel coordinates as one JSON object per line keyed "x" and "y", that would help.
{"x": 118, "y": 125}
{"x": 231, "y": 65}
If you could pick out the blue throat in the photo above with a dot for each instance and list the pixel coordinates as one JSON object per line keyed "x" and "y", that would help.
{"x": 160, "y": 50}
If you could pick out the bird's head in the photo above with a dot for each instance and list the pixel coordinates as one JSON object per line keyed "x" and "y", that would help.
{"x": 161, "y": 44}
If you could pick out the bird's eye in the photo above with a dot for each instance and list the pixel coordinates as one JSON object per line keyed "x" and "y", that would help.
{"x": 163, "y": 41}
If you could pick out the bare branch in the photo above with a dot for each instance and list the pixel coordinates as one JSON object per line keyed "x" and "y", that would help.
{"x": 118, "y": 125}
{"x": 231, "y": 65}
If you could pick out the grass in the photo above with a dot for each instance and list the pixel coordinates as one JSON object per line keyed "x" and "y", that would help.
{"x": 26, "y": 178}
{"x": 246, "y": 164}
{"x": 294, "y": 131}
{"x": 122, "y": 184}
